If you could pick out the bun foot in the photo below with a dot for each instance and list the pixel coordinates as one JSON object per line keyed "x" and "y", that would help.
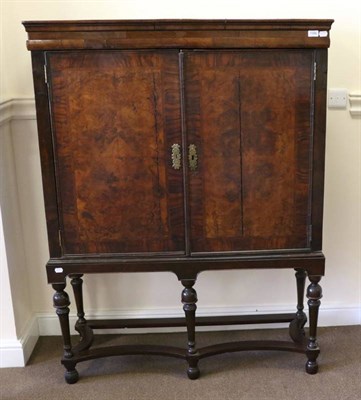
{"x": 311, "y": 367}
{"x": 71, "y": 376}
{"x": 193, "y": 373}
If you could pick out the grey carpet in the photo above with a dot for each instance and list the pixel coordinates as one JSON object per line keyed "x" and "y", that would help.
{"x": 257, "y": 375}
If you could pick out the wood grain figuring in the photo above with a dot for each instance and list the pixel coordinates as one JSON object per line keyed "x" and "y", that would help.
{"x": 123, "y": 34}
{"x": 115, "y": 116}
{"x": 250, "y": 115}
{"x": 245, "y": 95}
{"x": 46, "y": 153}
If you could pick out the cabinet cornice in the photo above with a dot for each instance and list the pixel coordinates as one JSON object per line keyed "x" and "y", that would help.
{"x": 121, "y": 34}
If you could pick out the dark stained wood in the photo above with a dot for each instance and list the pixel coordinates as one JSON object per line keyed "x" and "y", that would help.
{"x": 124, "y": 350}
{"x": 174, "y": 24}
{"x": 77, "y": 284}
{"x": 60, "y": 35}
{"x": 189, "y": 300}
{"x": 46, "y": 153}
{"x": 184, "y": 268}
{"x": 249, "y": 114}
{"x": 296, "y": 330}
{"x": 112, "y": 97}
{"x": 61, "y": 303}
{"x": 118, "y": 192}
{"x": 87, "y": 337}
{"x": 249, "y": 345}
{"x": 199, "y": 321}
{"x": 314, "y": 294}
{"x": 319, "y": 139}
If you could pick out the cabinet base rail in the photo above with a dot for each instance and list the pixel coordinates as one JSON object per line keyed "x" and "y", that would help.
{"x": 177, "y": 352}
{"x": 200, "y": 321}
{"x": 191, "y": 353}
{"x": 83, "y": 352}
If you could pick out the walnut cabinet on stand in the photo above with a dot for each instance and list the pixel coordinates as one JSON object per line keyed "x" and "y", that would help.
{"x": 183, "y": 146}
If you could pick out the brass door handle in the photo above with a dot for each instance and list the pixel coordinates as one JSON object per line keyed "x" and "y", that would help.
{"x": 176, "y": 156}
{"x": 192, "y": 157}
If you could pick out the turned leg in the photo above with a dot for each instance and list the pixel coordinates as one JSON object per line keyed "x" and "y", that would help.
{"x": 77, "y": 284}
{"x": 314, "y": 294}
{"x": 86, "y": 333}
{"x": 189, "y": 299}
{"x": 61, "y": 303}
{"x": 296, "y": 330}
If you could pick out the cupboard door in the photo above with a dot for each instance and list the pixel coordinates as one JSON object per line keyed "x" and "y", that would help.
{"x": 249, "y": 115}
{"x": 115, "y": 117}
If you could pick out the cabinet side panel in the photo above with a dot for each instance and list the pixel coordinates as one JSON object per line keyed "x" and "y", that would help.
{"x": 249, "y": 113}
{"x": 115, "y": 117}
{"x": 319, "y": 148}
{"x": 46, "y": 152}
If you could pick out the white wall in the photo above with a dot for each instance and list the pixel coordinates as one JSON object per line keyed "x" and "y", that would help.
{"x": 7, "y": 321}
{"x": 8, "y": 337}
{"x": 15, "y": 303}
{"x": 232, "y": 290}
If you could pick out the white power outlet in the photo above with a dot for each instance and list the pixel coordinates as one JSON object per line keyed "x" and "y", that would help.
{"x": 337, "y": 98}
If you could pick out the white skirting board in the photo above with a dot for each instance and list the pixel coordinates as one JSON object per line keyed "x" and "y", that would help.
{"x": 328, "y": 316}
{"x": 15, "y": 353}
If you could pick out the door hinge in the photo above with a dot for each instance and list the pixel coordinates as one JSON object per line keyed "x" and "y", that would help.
{"x": 59, "y": 238}
{"x": 314, "y": 70}
{"x": 310, "y": 233}
{"x": 45, "y": 74}
{"x": 181, "y": 71}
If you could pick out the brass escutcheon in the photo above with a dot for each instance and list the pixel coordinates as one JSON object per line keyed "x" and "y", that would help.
{"x": 176, "y": 156}
{"x": 192, "y": 157}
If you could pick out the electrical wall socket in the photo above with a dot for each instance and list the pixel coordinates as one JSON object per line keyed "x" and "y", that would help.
{"x": 337, "y": 98}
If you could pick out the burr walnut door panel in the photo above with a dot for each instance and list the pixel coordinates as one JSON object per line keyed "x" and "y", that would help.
{"x": 249, "y": 115}
{"x": 115, "y": 116}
